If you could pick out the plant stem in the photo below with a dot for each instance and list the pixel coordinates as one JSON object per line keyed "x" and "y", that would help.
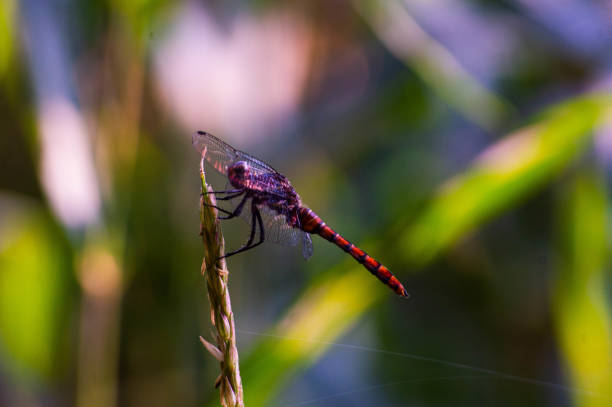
{"x": 215, "y": 272}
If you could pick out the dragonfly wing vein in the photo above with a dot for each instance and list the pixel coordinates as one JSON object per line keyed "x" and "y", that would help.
{"x": 221, "y": 155}
{"x": 307, "y": 248}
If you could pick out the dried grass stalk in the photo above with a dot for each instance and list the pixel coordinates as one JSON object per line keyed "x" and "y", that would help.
{"x": 215, "y": 273}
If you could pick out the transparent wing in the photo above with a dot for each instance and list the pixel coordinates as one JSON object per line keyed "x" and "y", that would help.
{"x": 307, "y": 248}
{"x": 221, "y": 155}
{"x": 275, "y": 225}
{"x": 277, "y": 229}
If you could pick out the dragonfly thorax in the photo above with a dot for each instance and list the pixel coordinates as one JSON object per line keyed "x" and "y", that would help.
{"x": 238, "y": 174}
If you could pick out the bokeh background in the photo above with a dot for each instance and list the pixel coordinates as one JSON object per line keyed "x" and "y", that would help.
{"x": 465, "y": 144}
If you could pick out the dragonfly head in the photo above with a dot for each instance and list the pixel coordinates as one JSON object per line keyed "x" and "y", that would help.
{"x": 238, "y": 174}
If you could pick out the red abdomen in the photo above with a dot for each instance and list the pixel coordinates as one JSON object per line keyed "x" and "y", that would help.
{"x": 311, "y": 223}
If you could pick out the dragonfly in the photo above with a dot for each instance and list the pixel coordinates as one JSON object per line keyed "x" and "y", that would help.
{"x": 268, "y": 202}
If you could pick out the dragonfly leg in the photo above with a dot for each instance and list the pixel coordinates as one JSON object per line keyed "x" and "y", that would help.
{"x": 255, "y": 221}
{"x": 235, "y": 195}
{"x": 225, "y": 199}
{"x": 248, "y": 243}
{"x": 228, "y": 197}
{"x": 230, "y": 191}
{"x": 219, "y": 209}
{"x": 236, "y": 211}
{"x": 262, "y": 231}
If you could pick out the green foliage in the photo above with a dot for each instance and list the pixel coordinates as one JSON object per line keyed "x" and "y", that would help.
{"x": 8, "y": 16}
{"x": 503, "y": 175}
{"x": 33, "y": 292}
{"x": 142, "y": 16}
{"x": 581, "y": 310}
{"x": 324, "y": 312}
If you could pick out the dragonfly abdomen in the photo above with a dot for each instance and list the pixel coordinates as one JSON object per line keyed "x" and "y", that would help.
{"x": 312, "y": 223}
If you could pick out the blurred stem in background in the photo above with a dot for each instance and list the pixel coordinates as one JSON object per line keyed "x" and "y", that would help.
{"x": 505, "y": 173}
{"x": 74, "y": 188}
{"x": 71, "y": 185}
{"x": 118, "y": 129}
{"x": 579, "y": 297}
{"x": 101, "y": 279}
{"x": 433, "y": 63}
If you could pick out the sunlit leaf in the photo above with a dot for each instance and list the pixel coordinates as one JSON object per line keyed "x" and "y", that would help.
{"x": 581, "y": 312}
{"x": 7, "y": 36}
{"x": 33, "y": 291}
{"x": 325, "y": 311}
{"x": 501, "y": 176}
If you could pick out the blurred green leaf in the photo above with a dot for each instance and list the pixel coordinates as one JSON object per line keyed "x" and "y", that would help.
{"x": 325, "y": 311}
{"x": 33, "y": 290}
{"x": 8, "y": 14}
{"x": 504, "y": 174}
{"x": 580, "y": 308}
